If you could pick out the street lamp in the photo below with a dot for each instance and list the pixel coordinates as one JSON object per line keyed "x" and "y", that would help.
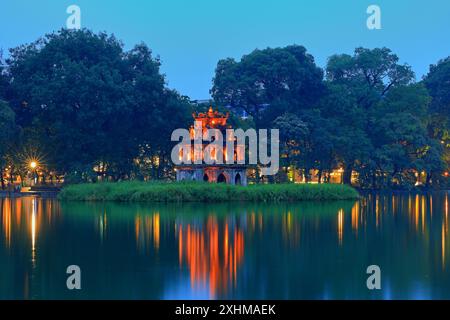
{"x": 33, "y": 166}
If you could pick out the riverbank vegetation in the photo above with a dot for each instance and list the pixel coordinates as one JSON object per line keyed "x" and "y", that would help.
{"x": 77, "y": 106}
{"x": 204, "y": 192}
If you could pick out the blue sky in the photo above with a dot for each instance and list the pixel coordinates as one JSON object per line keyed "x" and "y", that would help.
{"x": 190, "y": 36}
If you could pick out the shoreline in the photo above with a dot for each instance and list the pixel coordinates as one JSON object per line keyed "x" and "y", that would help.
{"x": 361, "y": 193}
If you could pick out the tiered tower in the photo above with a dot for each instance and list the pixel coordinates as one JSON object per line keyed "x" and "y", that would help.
{"x": 216, "y": 172}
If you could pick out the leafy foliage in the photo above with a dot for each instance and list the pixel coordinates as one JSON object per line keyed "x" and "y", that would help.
{"x": 91, "y": 109}
{"x": 204, "y": 192}
{"x": 89, "y": 103}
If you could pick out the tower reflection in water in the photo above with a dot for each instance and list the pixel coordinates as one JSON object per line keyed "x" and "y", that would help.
{"x": 212, "y": 254}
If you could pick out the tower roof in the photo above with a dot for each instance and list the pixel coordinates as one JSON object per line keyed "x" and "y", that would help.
{"x": 212, "y": 118}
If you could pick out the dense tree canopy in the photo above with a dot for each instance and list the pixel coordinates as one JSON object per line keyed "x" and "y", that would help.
{"x": 8, "y": 132}
{"x": 367, "y": 116}
{"x": 3, "y": 79}
{"x": 86, "y": 108}
{"x": 268, "y": 82}
{"x": 88, "y": 103}
{"x": 368, "y": 75}
{"x": 437, "y": 82}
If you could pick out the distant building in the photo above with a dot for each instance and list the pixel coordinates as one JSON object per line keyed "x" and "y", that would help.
{"x": 202, "y": 101}
{"x": 235, "y": 174}
{"x": 240, "y": 112}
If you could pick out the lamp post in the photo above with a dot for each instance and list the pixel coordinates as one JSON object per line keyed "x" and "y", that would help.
{"x": 33, "y": 166}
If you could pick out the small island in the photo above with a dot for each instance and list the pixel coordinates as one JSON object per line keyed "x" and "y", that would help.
{"x": 135, "y": 191}
{"x": 218, "y": 181}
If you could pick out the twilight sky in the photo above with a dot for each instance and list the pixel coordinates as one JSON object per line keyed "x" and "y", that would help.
{"x": 190, "y": 36}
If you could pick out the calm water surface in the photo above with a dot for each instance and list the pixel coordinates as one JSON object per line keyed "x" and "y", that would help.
{"x": 238, "y": 251}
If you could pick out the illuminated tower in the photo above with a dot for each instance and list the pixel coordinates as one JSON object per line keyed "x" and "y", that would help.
{"x": 224, "y": 172}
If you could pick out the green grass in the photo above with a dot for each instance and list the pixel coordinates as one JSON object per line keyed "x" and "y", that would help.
{"x": 134, "y": 191}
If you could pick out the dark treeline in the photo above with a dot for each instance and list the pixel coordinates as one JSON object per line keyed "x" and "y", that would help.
{"x": 84, "y": 107}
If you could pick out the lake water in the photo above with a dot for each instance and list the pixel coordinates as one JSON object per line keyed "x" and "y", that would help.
{"x": 214, "y": 251}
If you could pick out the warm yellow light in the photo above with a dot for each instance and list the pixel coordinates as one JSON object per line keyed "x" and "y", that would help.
{"x": 33, "y": 164}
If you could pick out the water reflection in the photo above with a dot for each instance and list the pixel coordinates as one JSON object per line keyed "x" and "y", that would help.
{"x": 304, "y": 250}
{"x": 147, "y": 231}
{"x": 211, "y": 253}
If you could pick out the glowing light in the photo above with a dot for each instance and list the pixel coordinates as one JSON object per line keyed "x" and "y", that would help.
{"x": 355, "y": 217}
{"x": 340, "y": 225}
{"x": 156, "y": 230}
{"x": 443, "y": 245}
{"x": 6, "y": 221}
{"x": 423, "y": 213}
{"x": 33, "y": 231}
{"x": 416, "y": 212}
{"x": 33, "y": 164}
{"x": 446, "y": 205}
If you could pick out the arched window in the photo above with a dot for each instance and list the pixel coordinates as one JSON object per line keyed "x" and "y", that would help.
{"x": 237, "y": 179}
{"x": 221, "y": 178}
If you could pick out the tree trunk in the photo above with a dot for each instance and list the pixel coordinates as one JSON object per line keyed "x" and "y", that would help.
{"x": 159, "y": 172}
{"x": 390, "y": 182}
{"x": 1, "y": 178}
{"x": 306, "y": 175}
{"x": 428, "y": 182}
{"x": 374, "y": 180}
{"x": 347, "y": 178}
{"x": 11, "y": 175}
{"x": 257, "y": 177}
{"x": 319, "y": 176}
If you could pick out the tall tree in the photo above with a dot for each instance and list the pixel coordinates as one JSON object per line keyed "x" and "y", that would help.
{"x": 7, "y": 135}
{"x": 294, "y": 135}
{"x": 3, "y": 79}
{"x": 347, "y": 123}
{"x": 358, "y": 83}
{"x": 369, "y": 74}
{"x": 267, "y": 83}
{"x": 398, "y": 133}
{"x": 437, "y": 82}
{"x": 88, "y": 102}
